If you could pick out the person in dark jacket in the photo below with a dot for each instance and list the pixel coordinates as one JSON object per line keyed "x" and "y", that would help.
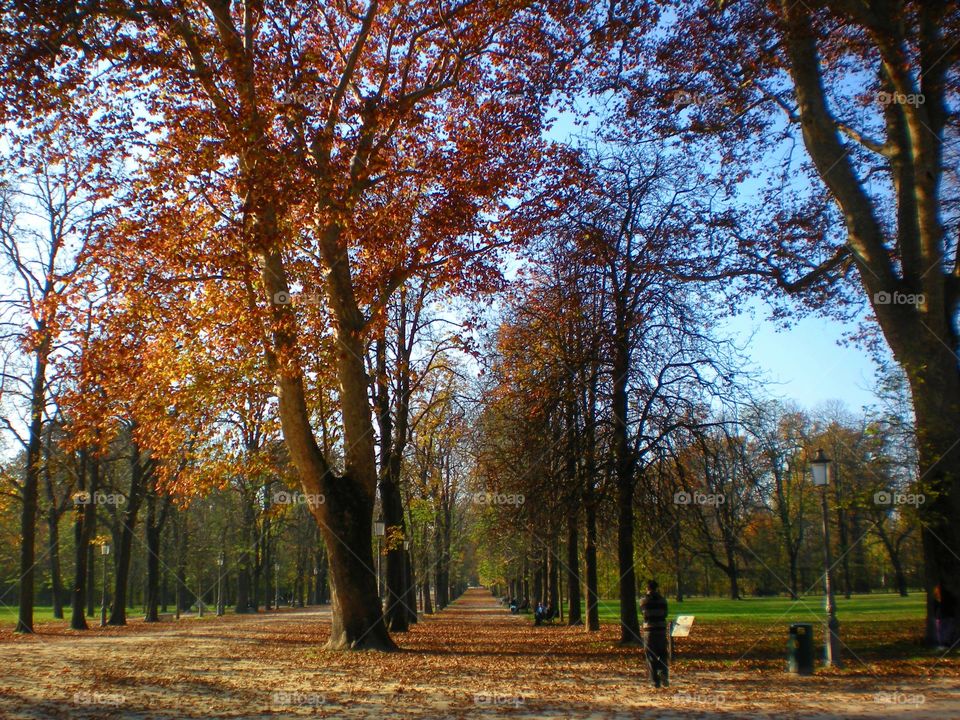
{"x": 654, "y": 609}
{"x": 944, "y": 611}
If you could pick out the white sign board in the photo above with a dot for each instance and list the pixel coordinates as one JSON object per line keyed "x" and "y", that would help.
{"x": 682, "y": 625}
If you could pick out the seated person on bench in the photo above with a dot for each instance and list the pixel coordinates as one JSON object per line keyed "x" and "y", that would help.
{"x": 544, "y": 613}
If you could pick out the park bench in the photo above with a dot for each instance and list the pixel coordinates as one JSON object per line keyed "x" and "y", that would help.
{"x": 550, "y": 617}
{"x": 516, "y": 609}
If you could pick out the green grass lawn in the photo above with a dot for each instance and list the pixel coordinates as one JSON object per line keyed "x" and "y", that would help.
{"x": 751, "y": 610}
{"x": 807, "y": 608}
{"x": 8, "y": 613}
{"x": 44, "y": 613}
{"x": 878, "y": 628}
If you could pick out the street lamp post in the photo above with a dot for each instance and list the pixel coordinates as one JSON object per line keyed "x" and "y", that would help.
{"x": 820, "y": 467}
{"x": 316, "y": 586}
{"x": 220, "y": 561}
{"x": 276, "y": 586}
{"x": 379, "y": 529}
{"x": 105, "y": 552}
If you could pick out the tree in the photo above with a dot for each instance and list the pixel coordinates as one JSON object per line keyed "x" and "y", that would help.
{"x": 781, "y": 435}
{"x": 718, "y": 474}
{"x": 399, "y": 373}
{"x": 866, "y": 89}
{"x": 543, "y": 416}
{"x": 159, "y": 506}
{"x": 141, "y": 470}
{"x": 630, "y": 214}
{"x": 59, "y": 482}
{"x": 314, "y": 135}
{"x": 46, "y": 218}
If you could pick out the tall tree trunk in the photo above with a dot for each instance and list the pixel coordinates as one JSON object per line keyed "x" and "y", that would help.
{"x": 345, "y": 517}
{"x": 677, "y": 546}
{"x": 410, "y": 601}
{"x": 152, "y": 604}
{"x": 573, "y": 570}
{"x": 182, "y": 540}
{"x": 843, "y": 530}
{"x": 298, "y": 583}
{"x": 357, "y": 621}
{"x": 441, "y": 590}
{"x": 323, "y": 574}
{"x": 31, "y": 481}
{"x": 790, "y": 543}
{"x": 53, "y": 532}
{"x": 91, "y": 569}
{"x": 248, "y": 540}
{"x": 266, "y": 565}
{"x": 893, "y": 552}
{"x": 923, "y": 337}
{"x": 392, "y": 444}
{"x": 447, "y": 538}
{"x": 538, "y": 581}
{"x": 629, "y": 622}
{"x": 861, "y": 581}
{"x": 83, "y": 528}
{"x": 794, "y": 575}
{"x": 590, "y": 559}
{"x": 553, "y": 575}
{"x": 734, "y": 579}
{"x": 900, "y": 576}
{"x": 128, "y": 520}
{"x": 164, "y": 595}
{"x": 731, "y": 568}
{"x": 396, "y": 613}
{"x": 154, "y": 534}
{"x": 427, "y": 603}
{"x": 938, "y": 417}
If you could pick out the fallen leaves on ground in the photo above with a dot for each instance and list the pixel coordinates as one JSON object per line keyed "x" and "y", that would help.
{"x": 472, "y": 660}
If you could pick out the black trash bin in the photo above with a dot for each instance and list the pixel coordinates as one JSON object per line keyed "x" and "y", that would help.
{"x": 800, "y": 649}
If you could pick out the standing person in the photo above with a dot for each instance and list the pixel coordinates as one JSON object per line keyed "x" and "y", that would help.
{"x": 654, "y": 609}
{"x": 944, "y": 609}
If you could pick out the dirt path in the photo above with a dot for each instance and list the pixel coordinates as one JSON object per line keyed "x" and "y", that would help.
{"x": 472, "y": 660}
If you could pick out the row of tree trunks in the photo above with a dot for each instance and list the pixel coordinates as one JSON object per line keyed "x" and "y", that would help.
{"x": 547, "y": 569}
{"x": 321, "y": 583}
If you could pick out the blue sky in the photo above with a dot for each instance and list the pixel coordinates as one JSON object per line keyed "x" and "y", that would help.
{"x": 806, "y": 362}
